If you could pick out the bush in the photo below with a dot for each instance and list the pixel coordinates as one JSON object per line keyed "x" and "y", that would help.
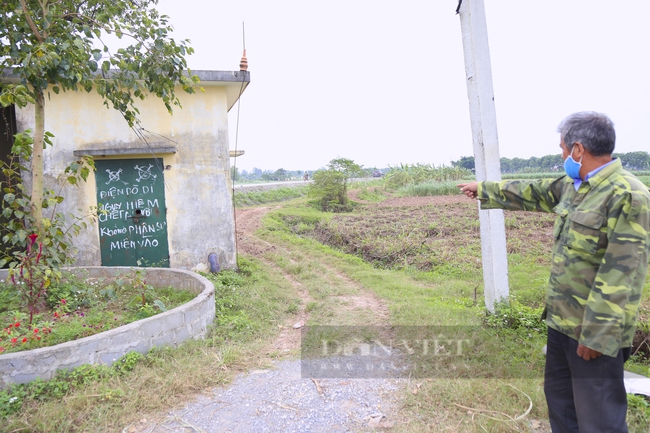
{"x": 251, "y": 198}
{"x": 429, "y": 189}
{"x": 514, "y": 315}
{"x": 638, "y": 409}
{"x": 330, "y": 191}
{"x": 330, "y": 187}
{"x": 413, "y": 174}
{"x": 13, "y": 397}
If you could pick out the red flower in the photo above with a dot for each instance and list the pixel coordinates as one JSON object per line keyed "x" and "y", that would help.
{"x": 17, "y": 324}
{"x": 32, "y": 238}
{"x": 24, "y": 340}
{"x": 40, "y": 253}
{"x": 38, "y": 338}
{"x": 63, "y": 301}
{"x": 14, "y": 340}
{"x": 35, "y": 330}
{"x": 56, "y": 314}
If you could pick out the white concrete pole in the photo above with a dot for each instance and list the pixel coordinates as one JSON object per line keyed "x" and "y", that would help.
{"x": 486, "y": 146}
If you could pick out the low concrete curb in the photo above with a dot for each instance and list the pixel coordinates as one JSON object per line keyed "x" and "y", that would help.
{"x": 171, "y": 328}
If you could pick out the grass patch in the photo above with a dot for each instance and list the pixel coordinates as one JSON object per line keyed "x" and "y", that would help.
{"x": 77, "y": 308}
{"x": 447, "y": 294}
{"x": 374, "y": 194}
{"x": 426, "y": 238}
{"x": 442, "y": 299}
{"x": 252, "y": 304}
{"x": 98, "y": 398}
{"x": 638, "y": 412}
{"x": 429, "y": 189}
{"x": 252, "y": 198}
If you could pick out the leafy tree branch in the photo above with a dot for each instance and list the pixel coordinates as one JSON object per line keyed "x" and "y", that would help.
{"x": 51, "y": 46}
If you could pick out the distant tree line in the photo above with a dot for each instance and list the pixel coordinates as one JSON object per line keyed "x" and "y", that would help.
{"x": 257, "y": 175}
{"x": 280, "y": 175}
{"x": 630, "y": 160}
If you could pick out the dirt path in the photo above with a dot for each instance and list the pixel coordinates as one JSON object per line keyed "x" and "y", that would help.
{"x": 248, "y": 221}
{"x": 280, "y": 399}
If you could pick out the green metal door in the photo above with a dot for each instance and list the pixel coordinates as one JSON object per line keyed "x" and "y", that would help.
{"x": 132, "y": 213}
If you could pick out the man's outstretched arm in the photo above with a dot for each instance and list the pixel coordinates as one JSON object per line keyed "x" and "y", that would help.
{"x": 469, "y": 189}
{"x": 531, "y": 195}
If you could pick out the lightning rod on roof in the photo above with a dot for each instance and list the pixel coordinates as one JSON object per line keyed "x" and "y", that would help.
{"x": 243, "y": 64}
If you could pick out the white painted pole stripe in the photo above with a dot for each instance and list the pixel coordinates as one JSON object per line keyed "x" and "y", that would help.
{"x": 486, "y": 146}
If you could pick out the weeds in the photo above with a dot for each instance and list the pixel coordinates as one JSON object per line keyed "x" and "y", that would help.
{"x": 638, "y": 412}
{"x": 75, "y": 308}
{"x": 14, "y": 398}
{"x": 250, "y": 304}
{"x": 374, "y": 194}
{"x": 413, "y": 174}
{"x": 253, "y": 303}
{"x": 252, "y": 198}
{"x": 429, "y": 189}
{"x": 513, "y": 315}
{"x": 449, "y": 294}
{"x": 425, "y": 238}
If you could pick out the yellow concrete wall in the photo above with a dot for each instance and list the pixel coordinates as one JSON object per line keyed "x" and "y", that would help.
{"x": 197, "y": 194}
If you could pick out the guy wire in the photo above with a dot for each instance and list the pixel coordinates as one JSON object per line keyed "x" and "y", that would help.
{"x": 159, "y": 165}
{"x": 234, "y": 172}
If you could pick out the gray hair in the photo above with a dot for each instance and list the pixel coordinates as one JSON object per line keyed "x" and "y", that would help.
{"x": 594, "y": 130}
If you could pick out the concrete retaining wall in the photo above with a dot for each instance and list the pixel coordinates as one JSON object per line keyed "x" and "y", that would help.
{"x": 170, "y": 328}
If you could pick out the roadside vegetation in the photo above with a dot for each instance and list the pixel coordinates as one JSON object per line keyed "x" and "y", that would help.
{"x": 76, "y": 307}
{"x": 329, "y": 191}
{"x": 415, "y": 174}
{"x": 421, "y": 257}
{"x": 428, "y": 189}
{"x": 253, "y": 198}
{"x": 406, "y": 182}
{"x": 249, "y": 306}
{"x": 425, "y": 261}
{"x": 257, "y": 175}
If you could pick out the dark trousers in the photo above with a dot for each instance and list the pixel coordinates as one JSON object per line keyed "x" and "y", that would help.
{"x": 583, "y": 396}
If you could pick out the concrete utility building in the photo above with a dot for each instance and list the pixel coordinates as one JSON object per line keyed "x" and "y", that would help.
{"x": 163, "y": 189}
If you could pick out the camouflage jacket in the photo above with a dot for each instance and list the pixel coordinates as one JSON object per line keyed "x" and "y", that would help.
{"x": 600, "y": 254}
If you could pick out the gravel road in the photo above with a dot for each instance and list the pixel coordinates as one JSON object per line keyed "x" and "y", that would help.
{"x": 280, "y": 400}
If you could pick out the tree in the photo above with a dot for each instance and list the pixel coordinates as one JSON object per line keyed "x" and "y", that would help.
{"x": 330, "y": 187}
{"x": 348, "y": 167}
{"x": 280, "y": 174}
{"x": 465, "y": 162}
{"x": 52, "y": 46}
{"x": 635, "y": 160}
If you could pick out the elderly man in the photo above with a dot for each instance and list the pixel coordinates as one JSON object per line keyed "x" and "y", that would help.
{"x": 598, "y": 268}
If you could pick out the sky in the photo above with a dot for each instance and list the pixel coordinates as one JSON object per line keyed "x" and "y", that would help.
{"x": 383, "y": 82}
